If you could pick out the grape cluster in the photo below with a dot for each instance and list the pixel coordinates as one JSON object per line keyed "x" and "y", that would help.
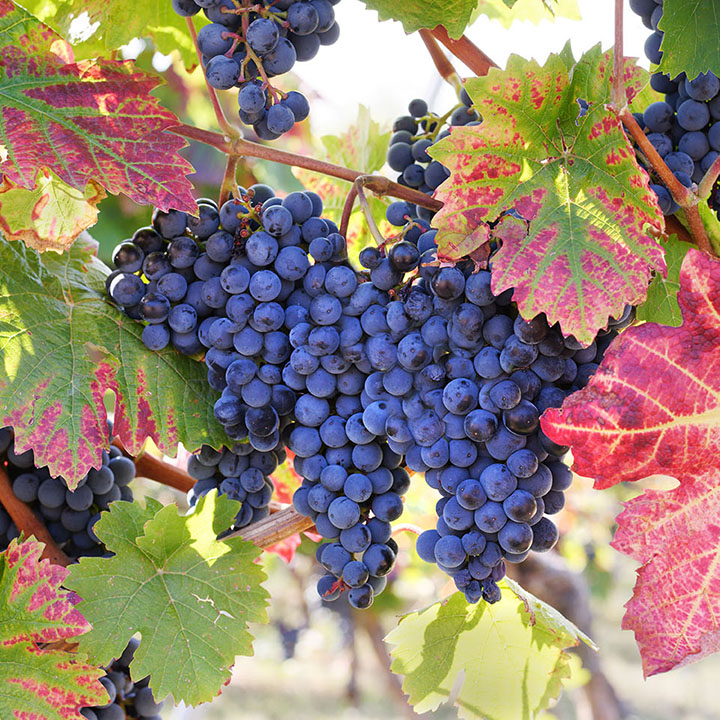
{"x": 461, "y": 381}
{"x": 246, "y": 45}
{"x": 240, "y": 473}
{"x": 684, "y": 128}
{"x": 414, "y": 134}
{"x": 69, "y": 515}
{"x": 126, "y": 699}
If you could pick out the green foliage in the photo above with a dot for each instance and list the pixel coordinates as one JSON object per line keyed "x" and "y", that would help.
{"x": 504, "y": 661}
{"x": 188, "y": 594}
{"x": 690, "y": 44}
{"x": 533, "y": 11}
{"x": 114, "y": 24}
{"x": 661, "y": 305}
{"x": 454, "y": 15}
{"x": 64, "y": 346}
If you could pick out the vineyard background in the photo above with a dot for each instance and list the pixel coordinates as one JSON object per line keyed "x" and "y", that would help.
{"x": 377, "y": 65}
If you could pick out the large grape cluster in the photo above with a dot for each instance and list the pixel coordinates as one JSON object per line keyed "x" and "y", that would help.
{"x": 69, "y": 515}
{"x": 245, "y": 45}
{"x": 684, "y": 128}
{"x": 126, "y": 699}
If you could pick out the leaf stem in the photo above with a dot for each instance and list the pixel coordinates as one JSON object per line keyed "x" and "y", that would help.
{"x": 697, "y": 229}
{"x": 466, "y": 51}
{"x": 245, "y": 148}
{"x": 229, "y": 178}
{"x": 708, "y": 181}
{"x": 619, "y": 94}
{"x": 347, "y": 210}
{"x": 222, "y": 121}
{"x": 442, "y": 63}
{"x": 28, "y": 523}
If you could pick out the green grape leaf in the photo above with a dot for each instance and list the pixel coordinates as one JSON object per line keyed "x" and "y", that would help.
{"x": 661, "y": 305}
{"x": 571, "y": 172}
{"x": 110, "y": 25}
{"x": 50, "y": 216}
{"x": 63, "y": 346}
{"x": 534, "y": 11}
{"x": 690, "y": 44}
{"x": 414, "y": 15}
{"x": 86, "y": 120}
{"x": 504, "y": 661}
{"x": 36, "y": 683}
{"x": 362, "y": 147}
{"x": 189, "y": 595}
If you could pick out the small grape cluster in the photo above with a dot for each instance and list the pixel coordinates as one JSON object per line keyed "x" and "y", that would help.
{"x": 684, "y": 128}
{"x": 240, "y": 473}
{"x": 69, "y": 515}
{"x": 414, "y": 134}
{"x": 247, "y": 44}
{"x": 127, "y": 699}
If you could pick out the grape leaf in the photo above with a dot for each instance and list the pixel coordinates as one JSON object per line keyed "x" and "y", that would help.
{"x": 362, "y": 147}
{"x": 114, "y": 24}
{"x": 653, "y": 405}
{"x": 572, "y": 174}
{"x": 691, "y": 30}
{"x": 63, "y": 346}
{"x": 50, "y": 216}
{"x": 661, "y": 305}
{"x": 87, "y": 120}
{"x": 510, "y": 655}
{"x": 534, "y": 11}
{"x": 675, "y": 608}
{"x": 414, "y": 15}
{"x": 187, "y": 593}
{"x": 50, "y": 684}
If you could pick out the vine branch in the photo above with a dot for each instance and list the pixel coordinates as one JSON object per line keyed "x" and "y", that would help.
{"x": 279, "y": 526}
{"x": 28, "y": 523}
{"x": 465, "y": 50}
{"x": 245, "y": 148}
{"x": 442, "y": 63}
{"x": 153, "y": 468}
{"x": 708, "y": 181}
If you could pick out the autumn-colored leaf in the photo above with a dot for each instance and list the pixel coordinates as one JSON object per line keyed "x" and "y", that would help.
{"x": 64, "y": 346}
{"x": 653, "y": 406}
{"x": 190, "y": 595}
{"x": 571, "y": 172}
{"x": 37, "y": 684}
{"x": 675, "y": 608}
{"x": 91, "y": 120}
{"x": 50, "y": 216}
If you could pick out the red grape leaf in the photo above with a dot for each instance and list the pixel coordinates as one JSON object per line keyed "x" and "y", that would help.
{"x": 571, "y": 172}
{"x": 41, "y": 684}
{"x": 64, "y": 346}
{"x": 50, "y": 216}
{"x": 91, "y": 120}
{"x": 653, "y": 406}
{"x": 675, "y": 608}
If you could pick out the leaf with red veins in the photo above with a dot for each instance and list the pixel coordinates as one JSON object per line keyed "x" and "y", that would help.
{"x": 91, "y": 120}
{"x": 675, "y": 608}
{"x": 63, "y": 346}
{"x": 653, "y": 406}
{"x": 587, "y": 252}
{"x": 39, "y": 684}
{"x": 51, "y": 216}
